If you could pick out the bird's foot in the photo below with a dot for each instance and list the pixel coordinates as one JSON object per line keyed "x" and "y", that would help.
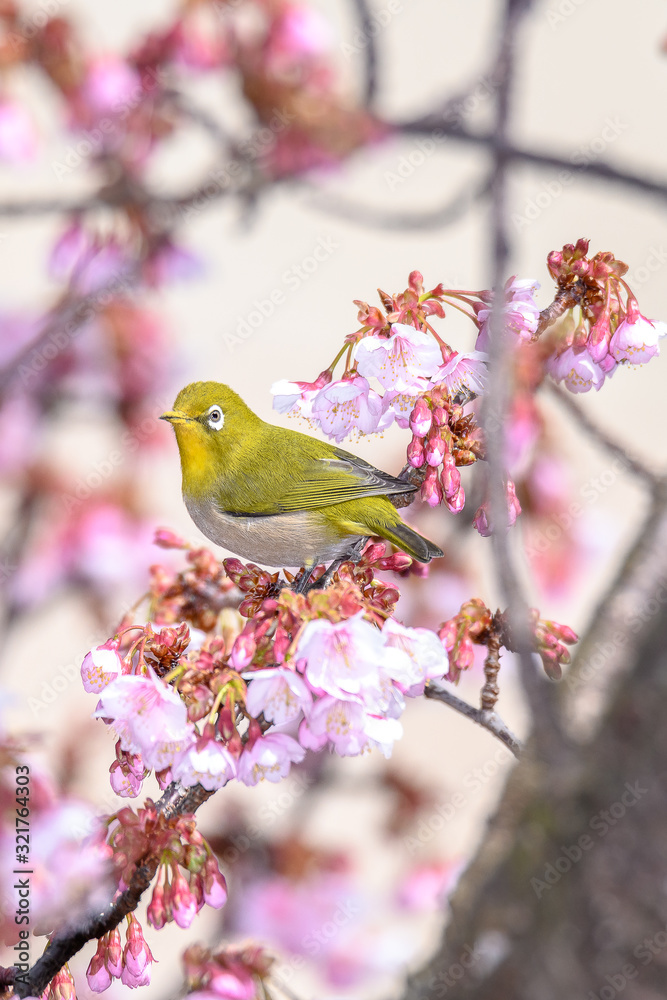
{"x": 303, "y": 583}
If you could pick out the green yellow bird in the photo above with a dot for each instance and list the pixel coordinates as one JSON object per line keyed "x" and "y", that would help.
{"x": 274, "y": 495}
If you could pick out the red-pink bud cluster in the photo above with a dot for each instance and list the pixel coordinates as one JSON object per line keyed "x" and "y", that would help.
{"x": 188, "y": 876}
{"x": 443, "y": 439}
{"x": 132, "y": 965}
{"x": 551, "y": 640}
{"x": 61, "y": 986}
{"x": 470, "y": 625}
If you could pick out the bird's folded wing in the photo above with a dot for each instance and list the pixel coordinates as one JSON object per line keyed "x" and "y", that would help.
{"x": 333, "y": 480}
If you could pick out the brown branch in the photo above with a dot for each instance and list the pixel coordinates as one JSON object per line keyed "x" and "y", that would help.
{"x": 487, "y": 720}
{"x": 69, "y": 940}
{"x": 370, "y": 59}
{"x": 548, "y": 735}
{"x": 600, "y": 436}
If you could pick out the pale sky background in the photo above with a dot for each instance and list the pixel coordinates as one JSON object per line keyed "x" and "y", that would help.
{"x": 591, "y": 75}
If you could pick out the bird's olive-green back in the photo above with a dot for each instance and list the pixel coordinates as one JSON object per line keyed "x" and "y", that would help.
{"x": 249, "y": 466}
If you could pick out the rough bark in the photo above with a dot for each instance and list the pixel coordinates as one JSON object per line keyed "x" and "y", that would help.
{"x": 567, "y": 897}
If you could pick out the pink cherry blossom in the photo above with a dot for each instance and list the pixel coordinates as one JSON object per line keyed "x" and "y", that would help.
{"x": 340, "y": 658}
{"x": 463, "y": 371}
{"x": 149, "y": 716}
{"x": 206, "y": 762}
{"x": 18, "y": 139}
{"x": 635, "y": 340}
{"x": 340, "y": 722}
{"x": 271, "y": 757}
{"x": 349, "y": 405}
{"x": 522, "y": 312}
{"x": 399, "y": 405}
{"x": 579, "y": 372}
{"x": 101, "y": 666}
{"x": 126, "y": 774}
{"x": 424, "y": 656}
{"x": 280, "y": 693}
{"x": 402, "y": 361}
{"x": 297, "y": 397}
{"x": 243, "y": 651}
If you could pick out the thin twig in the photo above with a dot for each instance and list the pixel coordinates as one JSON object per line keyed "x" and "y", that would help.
{"x": 435, "y": 218}
{"x": 487, "y": 720}
{"x": 601, "y": 437}
{"x": 68, "y": 941}
{"x": 63, "y": 322}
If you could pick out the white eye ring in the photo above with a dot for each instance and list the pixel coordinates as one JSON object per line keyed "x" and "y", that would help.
{"x": 216, "y": 417}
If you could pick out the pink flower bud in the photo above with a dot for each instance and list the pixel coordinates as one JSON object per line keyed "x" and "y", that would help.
{"x": 450, "y": 477}
{"x": 447, "y": 633}
{"x": 420, "y": 418}
{"x": 97, "y": 974}
{"x": 431, "y": 490}
{"x": 416, "y": 453}
{"x": 456, "y": 503}
{"x": 435, "y": 450}
{"x": 513, "y": 505}
{"x": 243, "y": 650}
{"x": 184, "y": 904}
{"x": 215, "y": 886}
{"x": 155, "y": 911}
{"x": 397, "y": 563}
{"x": 114, "y": 953}
{"x": 167, "y": 539}
{"x": 137, "y": 956}
{"x": 481, "y": 522}
{"x": 440, "y": 416}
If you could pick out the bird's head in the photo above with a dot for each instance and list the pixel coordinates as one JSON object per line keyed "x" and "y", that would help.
{"x": 211, "y": 423}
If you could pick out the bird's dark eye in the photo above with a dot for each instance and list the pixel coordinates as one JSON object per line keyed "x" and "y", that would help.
{"x": 215, "y": 418}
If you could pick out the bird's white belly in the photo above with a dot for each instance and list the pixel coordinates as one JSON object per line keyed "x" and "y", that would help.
{"x": 298, "y": 538}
